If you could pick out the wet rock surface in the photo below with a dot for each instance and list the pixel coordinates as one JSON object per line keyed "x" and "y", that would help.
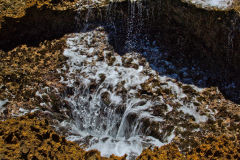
{"x": 210, "y": 36}
{"x": 165, "y": 152}
{"x": 24, "y": 70}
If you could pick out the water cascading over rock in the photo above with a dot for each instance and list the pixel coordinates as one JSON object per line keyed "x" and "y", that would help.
{"x": 131, "y": 77}
{"x": 119, "y": 104}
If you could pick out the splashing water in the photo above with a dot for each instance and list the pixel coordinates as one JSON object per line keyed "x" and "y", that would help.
{"x": 120, "y": 105}
{"x": 105, "y": 97}
{"x": 117, "y": 107}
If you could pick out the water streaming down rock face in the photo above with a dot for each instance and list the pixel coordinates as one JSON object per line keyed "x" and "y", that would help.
{"x": 119, "y": 104}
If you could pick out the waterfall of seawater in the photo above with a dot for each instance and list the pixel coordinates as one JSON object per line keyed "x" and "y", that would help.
{"x": 117, "y": 106}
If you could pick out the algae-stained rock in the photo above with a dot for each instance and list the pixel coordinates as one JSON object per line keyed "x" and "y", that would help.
{"x": 29, "y": 137}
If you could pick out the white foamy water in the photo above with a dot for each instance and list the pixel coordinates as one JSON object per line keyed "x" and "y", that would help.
{"x": 2, "y": 103}
{"x": 214, "y": 3}
{"x": 112, "y": 107}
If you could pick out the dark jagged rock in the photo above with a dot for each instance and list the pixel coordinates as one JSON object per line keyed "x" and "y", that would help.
{"x": 209, "y": 34}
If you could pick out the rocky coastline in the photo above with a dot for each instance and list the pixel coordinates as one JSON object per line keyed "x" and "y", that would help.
{"x": 33, "y": 38}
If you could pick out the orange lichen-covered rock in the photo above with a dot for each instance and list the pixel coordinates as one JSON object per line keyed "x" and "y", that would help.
{"x": 165, "y": 152}
{"x": 222, "y": 147}
{"x": 29, "y": 137}
{"x": 211, "y": 147}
